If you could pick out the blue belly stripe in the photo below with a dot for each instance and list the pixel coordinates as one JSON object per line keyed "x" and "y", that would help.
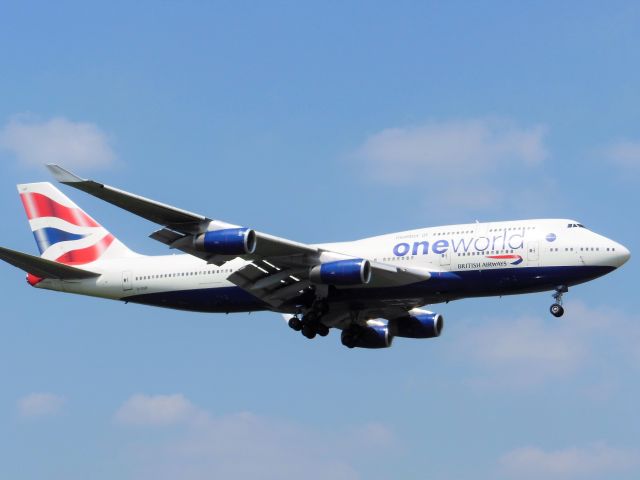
{"x": 440, "y": 287}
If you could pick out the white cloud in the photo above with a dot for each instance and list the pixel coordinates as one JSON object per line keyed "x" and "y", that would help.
{"x": 450, "y": 150}
{"x": 624, "y": 154}
{"x": 593, "y": 461}
{"x": 40, "y": 405}
{"x": 196, "y": 444}
{"x": 468, "y": 166}
{"x": 529, "y": 351}
{"x": 58, "y": 140}
{"x": 156, "y": 410}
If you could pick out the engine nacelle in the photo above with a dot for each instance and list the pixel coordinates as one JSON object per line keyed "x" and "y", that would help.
{"x": 354, "y": 271}
{"x": 230, "y": 241}
{"x": 375, "y": 336}
{"x": 417, "y": 324}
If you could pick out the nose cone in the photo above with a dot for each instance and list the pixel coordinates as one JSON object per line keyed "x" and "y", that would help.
{"x": 622, "y": 255}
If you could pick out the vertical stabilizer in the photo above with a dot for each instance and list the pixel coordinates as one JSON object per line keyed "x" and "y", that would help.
{"x": 63, "y": 231}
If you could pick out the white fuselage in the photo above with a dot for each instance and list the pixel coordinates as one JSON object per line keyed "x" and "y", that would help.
{"x": 489, "y": 258}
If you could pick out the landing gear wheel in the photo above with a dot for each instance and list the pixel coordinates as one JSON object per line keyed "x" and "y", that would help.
{"x": 295, "y": 323}
{"x": 308, "y": 331}
{"x": 322, "y": 329}
{"x": 556, "y": 310}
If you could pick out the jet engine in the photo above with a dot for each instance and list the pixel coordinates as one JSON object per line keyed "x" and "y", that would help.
{"x": 230, "y": 241}
{"x": 355, "y": 271}
{"x": 372, "y": 336}
{"x": 417, "y": 324}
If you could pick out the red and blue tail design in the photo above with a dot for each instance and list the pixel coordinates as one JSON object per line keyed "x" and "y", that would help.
{"x": 63, "y": 231}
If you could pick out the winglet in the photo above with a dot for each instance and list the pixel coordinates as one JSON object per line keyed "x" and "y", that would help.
{"x": 62, "y": 175}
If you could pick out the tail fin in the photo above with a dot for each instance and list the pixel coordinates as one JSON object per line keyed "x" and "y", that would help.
{"x": 63, "y": 231}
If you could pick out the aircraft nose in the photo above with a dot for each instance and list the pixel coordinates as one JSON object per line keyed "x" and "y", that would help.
{"x": 622, "y": 255}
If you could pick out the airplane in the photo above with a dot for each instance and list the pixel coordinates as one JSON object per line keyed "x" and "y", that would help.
{"x": 370, "y": 289}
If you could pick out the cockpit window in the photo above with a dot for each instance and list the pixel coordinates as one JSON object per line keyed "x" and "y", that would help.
{"x": 575, "y": 225}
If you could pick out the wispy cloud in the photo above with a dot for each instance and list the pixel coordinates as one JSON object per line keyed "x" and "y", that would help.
{"x": 156, "y": 410}
{"x": 593, "y": 461}
{"x": 407, "y": 155}
{"x": 36, "y": 142}
{"x": 468, "y": 165}
{"x": 624, "y": 154}
{"x": 40, "y": 405}
{"x": 197, "y": 444}
{"x": 530, "y": 351}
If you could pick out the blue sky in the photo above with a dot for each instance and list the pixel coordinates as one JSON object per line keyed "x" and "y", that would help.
{"x": 321, "y": 122}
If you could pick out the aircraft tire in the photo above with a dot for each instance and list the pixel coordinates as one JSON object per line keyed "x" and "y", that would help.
{"x": 308, "y": 331}
{"x": 295, "y": 324}
{"x": 322, "y": 330}
{"x": 556, "y": 310}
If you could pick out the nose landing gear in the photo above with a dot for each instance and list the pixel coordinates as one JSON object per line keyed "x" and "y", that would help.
{"x": 556, "y": 309}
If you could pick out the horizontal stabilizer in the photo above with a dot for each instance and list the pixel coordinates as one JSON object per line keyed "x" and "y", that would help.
{"x": 43, "y": 268}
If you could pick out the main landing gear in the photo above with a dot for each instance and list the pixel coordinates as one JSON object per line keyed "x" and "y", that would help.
{"x": 310, "y": 324}
{"x": 556, "y": 309}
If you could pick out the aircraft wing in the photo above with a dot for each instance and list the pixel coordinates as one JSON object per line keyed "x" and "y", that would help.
{"x": 43, "y": 268}
{"x": 279, "y": 268}
{"x": 180, "y": 225}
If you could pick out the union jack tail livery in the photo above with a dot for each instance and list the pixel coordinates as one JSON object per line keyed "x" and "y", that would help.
{"x": 63, "y": 232}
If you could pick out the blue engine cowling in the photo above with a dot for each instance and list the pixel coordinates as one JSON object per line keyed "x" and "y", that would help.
{"x": 354, "y": 271}
{"x": 230, "y": 241}
{"x": 417, "y": 324}
{"x": 376, "y": 336}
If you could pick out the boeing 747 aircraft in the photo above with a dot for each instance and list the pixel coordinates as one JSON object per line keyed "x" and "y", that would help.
{"x": 370, "y": 289}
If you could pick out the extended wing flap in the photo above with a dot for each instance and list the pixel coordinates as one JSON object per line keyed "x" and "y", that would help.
{"x": 43, "y": 268}
{"x": 272, "y": 284}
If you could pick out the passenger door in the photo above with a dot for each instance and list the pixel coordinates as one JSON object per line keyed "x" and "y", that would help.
{"x": 533, "y": 258}
{"x": 127, "y": 282}
{"x": 445, "y": 259}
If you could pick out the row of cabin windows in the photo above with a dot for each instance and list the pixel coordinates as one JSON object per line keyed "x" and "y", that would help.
{"x": 438, "y": 234}
{"x": 582, "y": 249}
{"x": 508, "y": 229}
{"x": 435, "y": 234}
{"x": 486, "y": 252}
{"x": 391, "y": 259}
{"x": 182, "y": 274}
{"x": 465, "y": 232}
